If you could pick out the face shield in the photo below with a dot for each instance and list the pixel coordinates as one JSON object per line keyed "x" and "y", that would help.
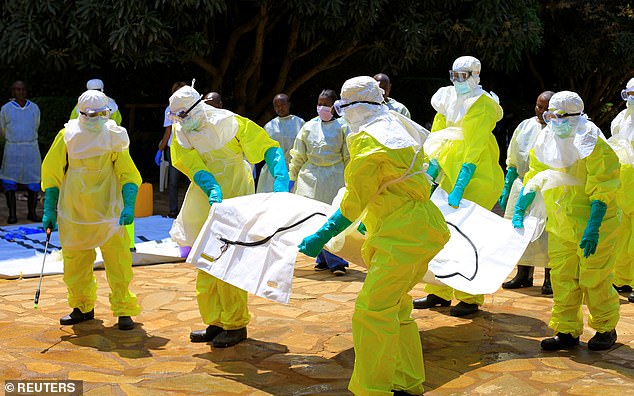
{"x": 341, "y": 104}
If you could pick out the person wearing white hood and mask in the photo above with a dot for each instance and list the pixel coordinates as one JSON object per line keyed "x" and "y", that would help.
{"x": 210, "y": 146}
{"x": 387, "y": 188}
{"x": 90, "y": 184}
{"x": 583, "y": 221}
{"x": 97, "y": 84}
{"x": 318, "y": 158}
{"x": 464, "y": 159}
{"x": 622, "y": 141}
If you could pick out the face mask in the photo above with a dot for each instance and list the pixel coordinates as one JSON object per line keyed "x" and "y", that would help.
{"x": 462, "y": 87}
{"x": 325, "y": 113}
{"x": 94, "y": 124}
{"x": 191, "y": 123}
{"x": 561, "y": 128}
{"x": 630, "y": 102}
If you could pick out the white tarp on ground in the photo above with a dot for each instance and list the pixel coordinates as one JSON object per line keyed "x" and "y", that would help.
{"x": 266, "y": 269}
{"x": 22, "y": 248}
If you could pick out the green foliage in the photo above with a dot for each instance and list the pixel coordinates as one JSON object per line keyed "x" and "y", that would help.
{"x": 54, "y": 113}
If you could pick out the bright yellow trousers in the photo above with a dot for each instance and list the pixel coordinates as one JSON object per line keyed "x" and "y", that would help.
{"x": 577, "y": 280}
{"x": 388, "y": 351}
{"x": 624, "y": 267}
{"x": 81, "y": 282}
{"x": 221, "y": 304}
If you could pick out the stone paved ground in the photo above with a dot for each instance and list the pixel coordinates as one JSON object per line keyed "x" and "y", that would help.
{"x": 303, "y": 348}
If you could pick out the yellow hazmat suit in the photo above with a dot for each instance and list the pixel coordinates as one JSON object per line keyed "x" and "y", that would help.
{"x": 218, "y": 143}
{"x": 90, "y": 203}
{"x": 583, "y": 156}
{"x": 387, "y": 188}
{"x": 466, "y": 123}
{"x": 622, "y": 141}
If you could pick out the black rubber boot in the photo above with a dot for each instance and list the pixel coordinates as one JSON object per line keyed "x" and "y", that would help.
{"x": 630, "y": 298}
{"x": 547, "y": 288}
{"x": 560, "y": 341}
{"x": 125, "y": 323}
{"x": 205, "y": 335}
{"x": 431, "y": 301}
{"x": 523, "y": 278}
{"x": 76, "y": 317}
{"x": 32, "y": 205}
{"x": 463, "y": 309}
{"x": 11, "y": 203}
{"x": 230, "y": 338}
{"x": 623, "y": 289}
{"x": 602, "y": 341}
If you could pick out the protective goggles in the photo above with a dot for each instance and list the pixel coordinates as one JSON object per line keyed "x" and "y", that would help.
{"x": 549, "y": 116}
{"x": 459, "y": 76}
{"x": 181, "y": 115}
{"x": 91, "y": 113}
{"x": 343, "y": 103}
{"x": 627, "y": 93}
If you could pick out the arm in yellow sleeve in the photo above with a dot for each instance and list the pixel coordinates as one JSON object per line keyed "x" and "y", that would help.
{"x": 125, "y": 169}
{"x": 185, "y": 160}
{"x": 440, "y": 122}
{"x": 253, "y": 139}
{"x": 54, "y": 163}
{"x": 116, "y": 117}
{"x": 477, "y": 126}
{"x": 363, "y": 175}
{"x": 604, "y": 171}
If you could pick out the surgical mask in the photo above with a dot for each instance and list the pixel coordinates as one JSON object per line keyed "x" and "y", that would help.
{"x": 561, "y": 127}
{"x": 325, "y": 113}
{"x": 462, "y": 87}
{"x": 94, "y": 124}
{"x": 191, "y": 123}
{"x": 630, "y": 102}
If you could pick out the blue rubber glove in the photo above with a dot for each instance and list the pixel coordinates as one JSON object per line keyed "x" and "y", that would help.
{"x": 51, "y": 196}
{"x": 207, "y": 182}
{"x": 157, "y": 157}
{"x": 129, "y": 192}
{"x": 523, "y": 202}
{"x": 291, "y": 184}
{"x": 590, "y": 238}
{"x": 313, "y": 244}
{"x": 434, "y": 168}
{"x": 464, "y": 177}
{"x": 274, "y": 158}
{"x": 511, "y": 175}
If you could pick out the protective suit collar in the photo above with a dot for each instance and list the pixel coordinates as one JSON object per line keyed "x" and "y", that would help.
{"x": 83, "y": 144}
{"x": 559, "y": 152}
{"x": 392, "y": 129}
{"x": 453, "y": 106}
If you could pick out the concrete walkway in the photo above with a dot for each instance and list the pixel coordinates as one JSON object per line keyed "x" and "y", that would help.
{"x": 303, "y": 348}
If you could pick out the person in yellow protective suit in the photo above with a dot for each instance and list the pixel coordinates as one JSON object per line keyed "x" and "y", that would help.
{"x": 622, "y": 141}
{"x": 464, "y": 159}
{"x": 583, "y": 222}
{"x": 318, "y": 157}
{"x": 97, "y": 84}
{"x": 210, "y": 146}
{"x": 387, "y": 188}
{"x": 522, "y": 142}
{"x": 90, "y": 184}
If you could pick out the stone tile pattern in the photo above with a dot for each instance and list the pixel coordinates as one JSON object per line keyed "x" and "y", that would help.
{"x": 303, "y": 348}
